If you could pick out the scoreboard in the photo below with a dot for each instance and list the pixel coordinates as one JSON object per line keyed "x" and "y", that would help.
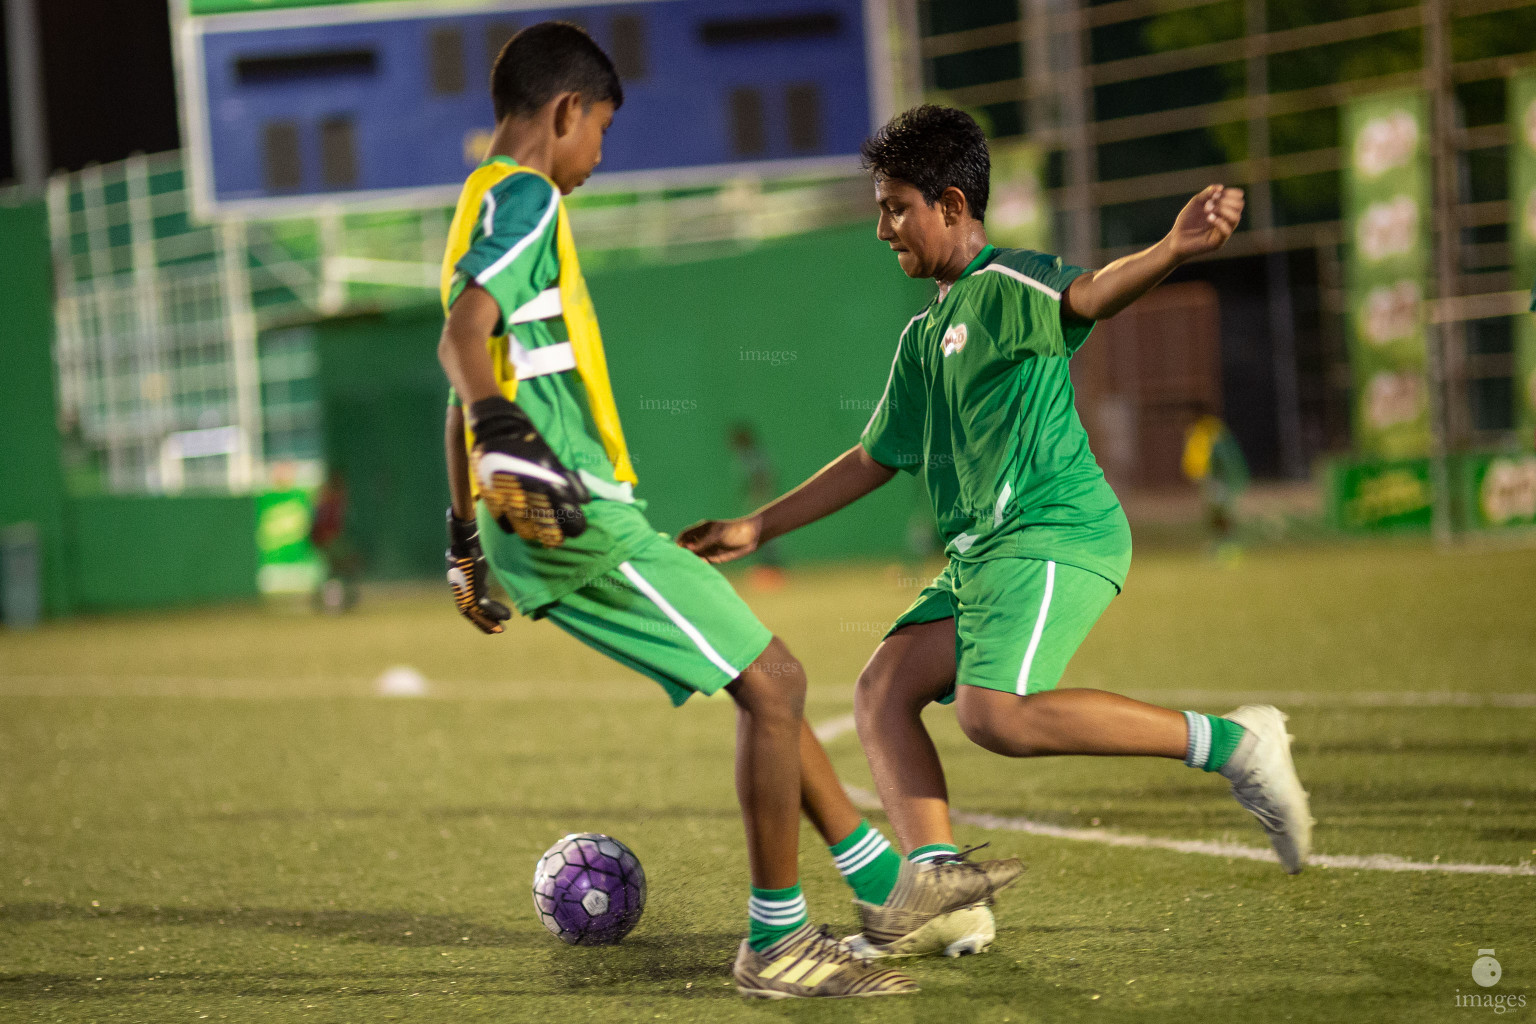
{"x": 287, "y": 109}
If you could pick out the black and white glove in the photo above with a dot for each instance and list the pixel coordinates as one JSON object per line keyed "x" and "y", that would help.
{"x": 466, "y": 575}
{"x": 522, "y": 481}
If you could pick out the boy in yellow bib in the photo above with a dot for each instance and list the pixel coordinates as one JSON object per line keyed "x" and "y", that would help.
{"x": 543, "y": 495}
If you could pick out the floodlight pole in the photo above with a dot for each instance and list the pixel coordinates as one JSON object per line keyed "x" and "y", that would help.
{"x": 1446, "y": 235}
{"x": 1261, "y": 206}
{"x": 29, "y": 122}
{"x": 1062, "y": 25}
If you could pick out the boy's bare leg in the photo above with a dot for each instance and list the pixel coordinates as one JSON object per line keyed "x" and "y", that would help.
{"x": 908, "y": 671}
{"x": 1069, "y": 722}
{"x": 770, "y": 699}
{"x": 821, "y": 794}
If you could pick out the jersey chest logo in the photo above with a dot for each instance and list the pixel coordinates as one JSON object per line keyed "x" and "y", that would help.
{"x": 954, "y": 340}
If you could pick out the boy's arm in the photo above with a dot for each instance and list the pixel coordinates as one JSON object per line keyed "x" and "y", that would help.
{"x": 522, "y": 480}
{"x": 1204, "y": 225}
{"x": 457, "y": 459}
{"x": 841, "y": 482}
{"x": 472, "y": 319}
{"x": 467, "y": 569}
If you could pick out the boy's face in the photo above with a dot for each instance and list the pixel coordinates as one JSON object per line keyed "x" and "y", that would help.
{"x": 579, "y": 147}
{"x": 922, "y": 236}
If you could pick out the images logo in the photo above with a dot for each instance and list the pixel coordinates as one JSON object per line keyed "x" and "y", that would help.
{"x": 1486, "y": 971}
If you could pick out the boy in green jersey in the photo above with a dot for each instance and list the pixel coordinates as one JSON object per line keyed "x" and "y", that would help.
{"x": 543, "y": 496}
{"x": 979, "y": 399}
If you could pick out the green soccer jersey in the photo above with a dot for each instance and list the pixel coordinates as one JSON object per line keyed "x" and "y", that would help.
{"x": 512, "y": 253}
{"x": 979, "y": 398}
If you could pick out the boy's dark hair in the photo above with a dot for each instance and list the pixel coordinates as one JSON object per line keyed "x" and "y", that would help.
{"x": 543, "y": 61}
{"x": 934, "y": 148}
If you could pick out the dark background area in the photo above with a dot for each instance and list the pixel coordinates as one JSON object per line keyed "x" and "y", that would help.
{"x": 108, "y": 85}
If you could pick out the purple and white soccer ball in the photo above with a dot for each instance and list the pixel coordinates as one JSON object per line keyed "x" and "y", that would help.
{"x": 589, "y": 889}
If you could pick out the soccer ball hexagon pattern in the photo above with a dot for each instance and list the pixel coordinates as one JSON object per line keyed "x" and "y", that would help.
{"x": 589, "y": 889}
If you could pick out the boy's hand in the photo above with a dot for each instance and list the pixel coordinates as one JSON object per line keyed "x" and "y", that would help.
{"x": 722, "y": 540}
{"x": 1206, "y": 222}
{"x": 522, "y": 482}
{"x": 466, "y": 575}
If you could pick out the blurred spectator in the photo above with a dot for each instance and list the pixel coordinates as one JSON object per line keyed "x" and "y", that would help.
{"x": 338, "y": 592}
{"x": 1213, "y": 460}
{"x": 757, "y": 485}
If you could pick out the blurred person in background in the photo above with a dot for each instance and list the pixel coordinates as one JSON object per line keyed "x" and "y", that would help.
{"x": 757, "y": 488}
{"x": 338, "y": 591}
{"x": 1214, "y": 461}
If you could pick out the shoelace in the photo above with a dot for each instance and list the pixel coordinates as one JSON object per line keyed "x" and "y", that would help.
{"x": 959, "y": 856}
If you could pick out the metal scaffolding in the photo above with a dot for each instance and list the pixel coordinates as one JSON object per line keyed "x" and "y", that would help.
{"x": 1070, "y": 55}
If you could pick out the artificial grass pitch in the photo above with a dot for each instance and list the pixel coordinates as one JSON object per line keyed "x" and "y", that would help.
{"x": 207, "y": 815}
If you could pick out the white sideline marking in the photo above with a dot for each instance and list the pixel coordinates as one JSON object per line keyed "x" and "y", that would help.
{"x": 1338, "y": 698}
{"x": 865, "y": 800}
{"x": 832, "y": 728}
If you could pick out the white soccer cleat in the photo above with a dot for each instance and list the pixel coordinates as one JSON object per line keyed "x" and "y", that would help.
{"x": 959, "y": 933}
{"x": 1264, "y": 781}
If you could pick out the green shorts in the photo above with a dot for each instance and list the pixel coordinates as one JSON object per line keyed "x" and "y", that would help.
{"x": 666, "y": 613}
{"x": 1018, "y": 621}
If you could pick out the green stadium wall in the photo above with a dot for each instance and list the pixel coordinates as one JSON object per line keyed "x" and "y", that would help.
{"x": 794, "y": 337}
{"x": 31, "y": 473}
{"x": 129, "y": 552}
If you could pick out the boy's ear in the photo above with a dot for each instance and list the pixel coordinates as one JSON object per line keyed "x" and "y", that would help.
{"x": 953, "y": 205}
{"x": 567, "y": 106}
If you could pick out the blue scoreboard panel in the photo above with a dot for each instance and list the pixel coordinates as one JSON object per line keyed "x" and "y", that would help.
{"x": 388, "y": 104}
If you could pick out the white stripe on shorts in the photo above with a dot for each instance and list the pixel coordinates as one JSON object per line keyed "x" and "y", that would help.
{"x": 681, "y": 623}
{"x": 1034, "y": 641}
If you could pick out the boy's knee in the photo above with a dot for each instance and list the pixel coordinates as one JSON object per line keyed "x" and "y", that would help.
{"x": 871, "y": 690}
{"x": 975, "y": 723}
{"x": 774, "y": 684}
{"x": 995, "y": 720}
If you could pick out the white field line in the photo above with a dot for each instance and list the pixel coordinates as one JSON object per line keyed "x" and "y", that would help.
{"x": 1340, "y": 698}
{"x": 865, "y": 800}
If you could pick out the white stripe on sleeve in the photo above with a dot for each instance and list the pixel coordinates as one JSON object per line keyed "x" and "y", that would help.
{"x": 1017, "y": 276}
{"x": 527, "y": 240}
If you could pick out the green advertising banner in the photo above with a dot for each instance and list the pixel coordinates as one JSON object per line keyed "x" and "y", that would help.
{"x": 1395, "y": 495}
{"x": 1386, "y": 211}
{"x": 1522, "y": 198}
{"x": 1018, "y": 216}
{"x": 1498, "y": 491}
{"x": 287, "y": 563}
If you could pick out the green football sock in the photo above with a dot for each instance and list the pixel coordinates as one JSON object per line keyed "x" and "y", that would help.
{"x": 1212, "y": 739}
{"x": 868, "y": 863}
{"x": 774, "y": 913}
{"x": 933, "y": 851}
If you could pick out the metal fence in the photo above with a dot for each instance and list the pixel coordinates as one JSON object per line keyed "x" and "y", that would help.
{"x": 1142, "y": 102}
{"x": 183, "y": 359}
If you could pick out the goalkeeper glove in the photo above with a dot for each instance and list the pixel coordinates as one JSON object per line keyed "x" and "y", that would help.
{"x": 466, "y": 575}
{"x": 521, "y": 480}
